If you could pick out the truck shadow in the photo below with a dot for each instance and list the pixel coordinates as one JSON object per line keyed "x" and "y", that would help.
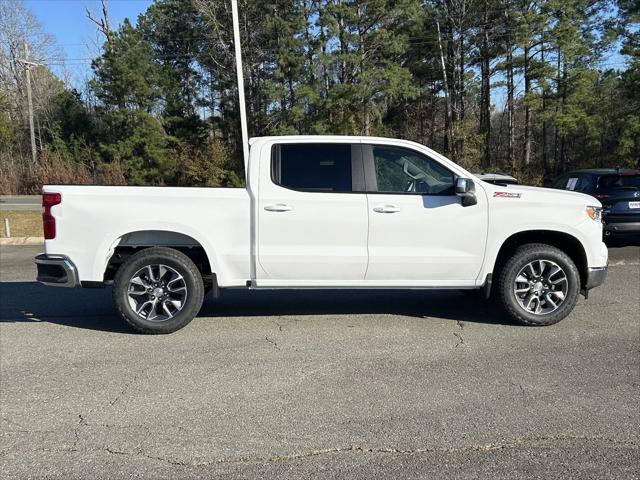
{"x": 92, "y": 309}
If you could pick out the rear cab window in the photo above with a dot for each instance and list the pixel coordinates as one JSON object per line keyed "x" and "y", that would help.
{"x": 317, "y": 167}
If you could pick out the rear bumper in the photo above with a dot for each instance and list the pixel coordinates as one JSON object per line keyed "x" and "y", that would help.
{"x": 595, "y": 277}
{"x": 56, "y": 270}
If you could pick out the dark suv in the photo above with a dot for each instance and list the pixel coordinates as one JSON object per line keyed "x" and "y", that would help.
{"x": 617, "y": 189}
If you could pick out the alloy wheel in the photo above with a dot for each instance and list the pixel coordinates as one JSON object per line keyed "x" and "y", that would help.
{"x": 541, "y": 287}
{"x": 157, "y": 292}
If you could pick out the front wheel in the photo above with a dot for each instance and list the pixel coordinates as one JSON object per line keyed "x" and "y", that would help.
{"x": 158, "y": 290}
{"x": 539, "y": 285}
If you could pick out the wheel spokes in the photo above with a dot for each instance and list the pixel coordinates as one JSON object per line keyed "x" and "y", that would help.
{"x": 139, "y": 281}
{"x": 157, "y": 292}
{"x": 547, "y": 298}
{"x": 540, "y": 287}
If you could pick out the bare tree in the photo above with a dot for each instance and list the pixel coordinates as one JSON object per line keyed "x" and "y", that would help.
{"x": 20, "y": 31}
{"x": 103, "y": 22}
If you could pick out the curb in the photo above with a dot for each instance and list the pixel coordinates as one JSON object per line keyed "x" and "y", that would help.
{"x": 22, "y": 241}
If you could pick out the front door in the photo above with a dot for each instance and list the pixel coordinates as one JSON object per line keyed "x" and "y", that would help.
{"x": 419, "y": 232}
{"x": 312, "y": 227}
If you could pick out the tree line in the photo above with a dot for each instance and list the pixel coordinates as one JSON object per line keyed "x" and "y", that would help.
{"x": 528, "y": 87}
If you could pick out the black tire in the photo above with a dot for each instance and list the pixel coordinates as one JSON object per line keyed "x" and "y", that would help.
{"x": 522, "y": 257}
{"x": 177, "y": 261}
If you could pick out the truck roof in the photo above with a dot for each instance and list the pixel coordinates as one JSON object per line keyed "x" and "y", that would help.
{"x": 325, "y": 138}
{"x": 607, "y": 171}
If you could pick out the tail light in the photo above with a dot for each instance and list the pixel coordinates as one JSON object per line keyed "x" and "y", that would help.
{"x": 48, "y": 220}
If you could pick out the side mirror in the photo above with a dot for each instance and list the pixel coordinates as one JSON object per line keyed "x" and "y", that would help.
{"x": 463, "y": 185}
{"x": 465, "y": 188}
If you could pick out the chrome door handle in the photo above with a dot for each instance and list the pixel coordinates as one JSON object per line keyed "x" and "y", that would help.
{"x": 386, "y": 209}
{"x": 278, "y": 207}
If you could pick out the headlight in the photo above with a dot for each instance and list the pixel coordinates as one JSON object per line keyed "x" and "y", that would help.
{"x": 595, "y": 213}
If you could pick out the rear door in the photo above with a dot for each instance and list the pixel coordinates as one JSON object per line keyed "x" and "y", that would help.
{"x": 419, "y": 232}
{"x": 312, "y": 216}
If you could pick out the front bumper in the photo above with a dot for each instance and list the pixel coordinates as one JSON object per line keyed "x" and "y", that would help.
{"x": 56, "y": 270}
{"x": 621, "y": 228}
{"x": 595, "y": 277}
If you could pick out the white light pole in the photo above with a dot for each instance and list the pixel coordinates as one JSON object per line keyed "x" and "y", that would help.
{"x": 241, "y": 101}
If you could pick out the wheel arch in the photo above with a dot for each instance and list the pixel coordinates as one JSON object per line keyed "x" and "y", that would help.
{"x": 566, "y": 242}
{"x": 132, "y": 242}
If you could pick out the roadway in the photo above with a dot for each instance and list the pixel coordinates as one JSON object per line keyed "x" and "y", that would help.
{"x": 323, "y": 385}
{"x": 21, "y": 203}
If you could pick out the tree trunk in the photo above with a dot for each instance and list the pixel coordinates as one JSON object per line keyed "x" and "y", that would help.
{"x": 545, "y": 160}
{"x": 366, "y": 120}
{"x": 527, "y": 108}
{"x": 510, "y": 108}
{"x": 325, "y": 72}
{"x": 343, "y": 65}
{"x": 557, "y": 109}
{"x": 563, "y": 155}
{"x": 485, "y": 94}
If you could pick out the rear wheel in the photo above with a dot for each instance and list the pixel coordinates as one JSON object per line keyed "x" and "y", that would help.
{"x": 158, "y": 290}
{"x": 539, "y": 285}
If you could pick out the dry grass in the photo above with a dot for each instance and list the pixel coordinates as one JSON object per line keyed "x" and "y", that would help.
{"x": 23, "y": 224}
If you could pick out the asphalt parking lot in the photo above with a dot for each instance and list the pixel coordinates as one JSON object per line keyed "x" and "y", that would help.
{"x": 318, "y": 385}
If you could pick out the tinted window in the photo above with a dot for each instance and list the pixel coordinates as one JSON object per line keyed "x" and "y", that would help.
{"x": 610, "y": 182}
{"x": 586, "y": 183}
{"x": 314, "y": 167}
{"x": 572, "y": 183}
{"x": 399, "y": 170}
{"x": 561, "y": 182}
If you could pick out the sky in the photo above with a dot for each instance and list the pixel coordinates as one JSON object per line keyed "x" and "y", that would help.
{"x": 75, "y": 34}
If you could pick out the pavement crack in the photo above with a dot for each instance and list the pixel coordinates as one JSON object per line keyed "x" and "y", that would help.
{"x": 115, "y": 452}
{"x": 359, "y": 449}
{"x": 272, "y": 342}
{"x": 460, "y": 339}
{"x": 488, "y": 447}
{"x": 124, "y": 389}
{"x": 76, "y": 432}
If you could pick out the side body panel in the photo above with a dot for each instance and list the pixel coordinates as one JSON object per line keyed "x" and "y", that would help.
{"x": 91, "y": 221}
{"x": 514, "y": 209}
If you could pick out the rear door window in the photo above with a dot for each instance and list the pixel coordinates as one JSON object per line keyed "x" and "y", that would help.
{"x": 313, "y": 167}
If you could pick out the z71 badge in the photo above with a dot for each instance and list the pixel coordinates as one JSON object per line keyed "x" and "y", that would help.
{"x": 507, "y": 194}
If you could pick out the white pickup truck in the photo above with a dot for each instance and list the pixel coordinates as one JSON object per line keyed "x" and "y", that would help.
{"x": 325, "y": 212}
